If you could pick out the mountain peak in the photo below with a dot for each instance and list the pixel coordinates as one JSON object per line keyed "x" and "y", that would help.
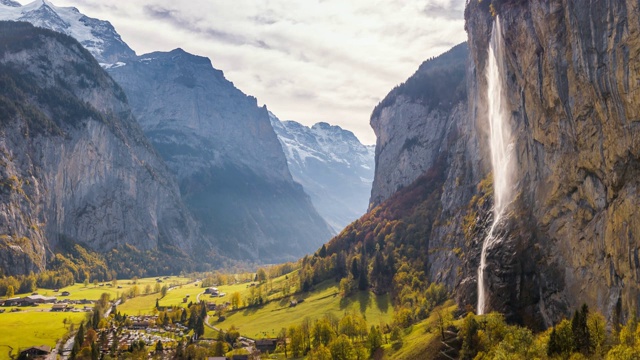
{"x": 97, "y": 36}
{"x": 9, "y": 3}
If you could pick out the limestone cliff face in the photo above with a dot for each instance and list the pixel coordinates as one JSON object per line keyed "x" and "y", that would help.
{"x": 573, "y": 88}
{"x": 74, "y": 163}
{"x": 220, "y": 144}
{"x": 426, "y": 127}
{"x": 412, "y": 123}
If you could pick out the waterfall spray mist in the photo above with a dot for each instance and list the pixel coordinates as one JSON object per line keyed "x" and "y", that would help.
{"x": 501, "y": 149}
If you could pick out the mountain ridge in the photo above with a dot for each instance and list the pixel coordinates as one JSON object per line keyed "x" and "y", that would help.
{"x": 334, "y": 168}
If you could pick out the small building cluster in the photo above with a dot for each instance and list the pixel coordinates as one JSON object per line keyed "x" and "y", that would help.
{"x": 58, "y": 305}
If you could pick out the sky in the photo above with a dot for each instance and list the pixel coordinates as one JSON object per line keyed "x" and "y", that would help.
{"x": 307, "y": 60}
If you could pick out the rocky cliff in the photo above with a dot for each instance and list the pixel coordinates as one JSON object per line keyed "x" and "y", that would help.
{"x": 332, "y": 166}
{"x": 572, "y": 85}
{"x": 411, "y": 124}
{"x": 428, "y": 193}
{"x": 75, "y": 165}
{"x": 220, "y": 144}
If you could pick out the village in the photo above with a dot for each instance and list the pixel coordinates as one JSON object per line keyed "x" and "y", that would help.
{"x": 122, "y": 333}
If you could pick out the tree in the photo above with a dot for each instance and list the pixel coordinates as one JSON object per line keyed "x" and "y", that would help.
{"x": 444, "y": 319}
{"x": 235, "y": 300}
{"x": 341, "y": 348}
{"x": 10, "y": 291}
{"x": 159, "y": 347}
{"x": 261, "y": 275}
{"x": 219, "y": 348}
{"x": 323, "y": 251}
{"x": 322, "y": 332}
{"x": 199, "y": 329}
{"x": 320, "y": 353}
{"x": 564, "y": 338}
{"x": 580, "y": 329}
{"x": 597, "y": 331}
{"x": 95, "y": 353}
{"x": 374, "y": 339}
{"x": 282, "y": 339}
{"x": 297, "y": 340}
{"x": 164, "y": 290}
{"x": 363, "y": 279}
{"x": 469, "y": 335}
{"x": 355, "y": 271}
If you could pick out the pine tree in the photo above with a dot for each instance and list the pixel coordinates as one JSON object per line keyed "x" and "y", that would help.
{"x": 580, "y": 329}
{"x": 552, "y": 345}
{"x": 363, "y": 279}
{"x": 95, "y": 353}
{"x": 183, "y": 316}
{"x": 323, "y": 251}
{"x": 199, "y": 330}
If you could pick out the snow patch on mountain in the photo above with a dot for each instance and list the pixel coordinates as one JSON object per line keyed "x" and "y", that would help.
{"x": 97, "y": 36}
{"x": 331, "y": 164}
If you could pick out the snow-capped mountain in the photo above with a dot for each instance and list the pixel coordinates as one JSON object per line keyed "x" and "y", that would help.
{"x": 333, "y": 167}
{"x": 97, "y": 36}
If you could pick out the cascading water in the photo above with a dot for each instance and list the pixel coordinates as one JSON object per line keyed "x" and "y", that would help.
{"x": 501, "y": 149}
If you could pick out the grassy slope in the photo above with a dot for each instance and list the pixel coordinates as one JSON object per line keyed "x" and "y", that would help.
{"x": 145, "y": 304}
{"x": 24, "y": 329}
{"x": 420, "y": 341}
{"x": 269, "y": 319}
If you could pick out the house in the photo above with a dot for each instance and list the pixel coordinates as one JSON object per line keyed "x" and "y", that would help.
{"x": 61, "y": 307}
{"x": 65, "y": 293}
{"x": 211, "y": 307}
{"x": 12, "y": 302}
{"x": 140, "y": 325}
{"x": 36, "y": 352}
{"x": 212, "y": 290}
{"x": 37, "y": 299}
{"x": 266, "y": 345}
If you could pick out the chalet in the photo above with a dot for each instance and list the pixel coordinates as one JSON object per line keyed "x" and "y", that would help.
{"x": 212, "y": 290}
{"x": 266, "y": 345}
{"x": 36, "y": 352}
{"x": 211, "y": 307}
{"x": 65, "y": 293}
{"x": 61, "y": 307}
{"x": 37, "y": 299}
{"x": 12, "y": 302}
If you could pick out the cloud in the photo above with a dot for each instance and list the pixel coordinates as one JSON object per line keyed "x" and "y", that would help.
{"x": 309, "y": 61}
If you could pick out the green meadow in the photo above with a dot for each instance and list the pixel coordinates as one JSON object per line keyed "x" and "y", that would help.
{"x": 267, "y": 320}
{"x": 33, "y": 327}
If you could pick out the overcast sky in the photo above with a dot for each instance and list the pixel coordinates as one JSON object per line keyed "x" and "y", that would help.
{"x": 307, "y": 60}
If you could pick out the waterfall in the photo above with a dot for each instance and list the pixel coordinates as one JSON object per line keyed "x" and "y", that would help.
{"x": 501, "y": 149}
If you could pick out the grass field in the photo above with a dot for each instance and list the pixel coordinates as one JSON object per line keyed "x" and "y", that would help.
{"x": 39, "y": 326}
{"x": 145, "y": 304}
{"x": 267, "y": 320}
{"x": 24, "y": 329}
{"x": 422, "y": 340}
